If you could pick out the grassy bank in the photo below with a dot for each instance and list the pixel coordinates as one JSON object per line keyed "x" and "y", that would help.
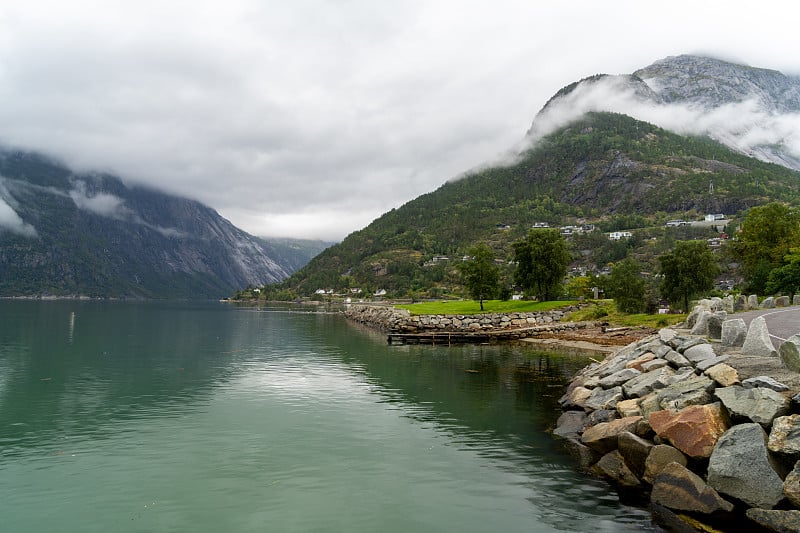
{"x": 470, "y": 307}
{"x": 606, "y": 311}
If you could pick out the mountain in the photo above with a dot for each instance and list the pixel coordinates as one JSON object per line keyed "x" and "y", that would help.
{"x": 750, "y": 110}
{"x": 584, "y": 165}
{"x": 66, "y": 233}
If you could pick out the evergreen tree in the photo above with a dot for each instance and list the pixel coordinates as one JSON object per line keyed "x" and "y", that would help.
{"x": 542, "y": 261}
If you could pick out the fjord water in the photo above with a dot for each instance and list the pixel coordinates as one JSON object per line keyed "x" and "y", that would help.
{"x": 165, "y": 416}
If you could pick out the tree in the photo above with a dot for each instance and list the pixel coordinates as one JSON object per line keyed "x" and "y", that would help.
{"x": 480, "y": 274}
{"x": 688, "y": 270}
{"x": 766, "y": 235}
{"x": 542, "y": 261}
{"x": 627, "y": 287}
{"x": 786, "y": 279}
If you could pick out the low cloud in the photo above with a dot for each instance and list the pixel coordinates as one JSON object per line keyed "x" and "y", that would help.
{"x": 100, "y": 203}
{"x": 9, "y": 219}
{"x": 748, "y": 126}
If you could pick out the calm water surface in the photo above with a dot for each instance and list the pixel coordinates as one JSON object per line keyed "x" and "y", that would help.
{"x": 118, "y": 416}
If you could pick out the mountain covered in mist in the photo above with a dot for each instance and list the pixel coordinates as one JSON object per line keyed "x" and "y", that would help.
{"x": 63, "y": 233}
{"x": 594, "y": 156}
{"x": 750, "y": 110}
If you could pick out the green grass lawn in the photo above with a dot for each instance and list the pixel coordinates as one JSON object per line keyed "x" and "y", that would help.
{"x": 471, "y": 307}
{"x": 606, "y": 311}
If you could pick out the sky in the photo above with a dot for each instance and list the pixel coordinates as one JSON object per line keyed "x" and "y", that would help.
{"x": 311, "y": 118}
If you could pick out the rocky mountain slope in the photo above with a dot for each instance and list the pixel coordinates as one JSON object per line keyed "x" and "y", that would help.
{"x": 63, "y": 233}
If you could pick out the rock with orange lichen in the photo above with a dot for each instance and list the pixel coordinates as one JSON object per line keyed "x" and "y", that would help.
{"x": 693, "y": 430}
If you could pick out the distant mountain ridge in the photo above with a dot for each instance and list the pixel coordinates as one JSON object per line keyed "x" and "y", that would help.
{"x": 63, "y": 233}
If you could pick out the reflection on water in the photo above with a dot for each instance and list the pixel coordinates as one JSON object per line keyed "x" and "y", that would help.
{"x": 174, "y": 417}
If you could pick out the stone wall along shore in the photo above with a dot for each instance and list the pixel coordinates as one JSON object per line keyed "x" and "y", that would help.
{"x": 667, "y": 419}
{"x": 387, "y": 318}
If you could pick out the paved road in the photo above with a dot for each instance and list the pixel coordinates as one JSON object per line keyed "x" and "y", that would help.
{"x": 782, "y": 323}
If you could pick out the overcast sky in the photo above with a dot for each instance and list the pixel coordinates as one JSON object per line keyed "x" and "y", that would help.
{"x": 310, "y": 118}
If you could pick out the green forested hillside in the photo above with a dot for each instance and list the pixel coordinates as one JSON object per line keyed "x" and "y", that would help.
{"x": 606, "y": 169}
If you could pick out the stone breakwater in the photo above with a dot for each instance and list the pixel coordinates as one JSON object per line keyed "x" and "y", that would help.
{"x": 666, "y": 418}
{"x": 388, "y": 318}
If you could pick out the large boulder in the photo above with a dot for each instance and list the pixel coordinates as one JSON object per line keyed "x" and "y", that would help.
{"x": 740, "y": 304}
{"x": 757, "y": 341}
{"x": 790, "y": 353}
{"x": 678, "y": 488}
{"x": 603, "y": 437}
{"x": 752, "y": 301}
{"x": 701, "y": 323}
{"x": 775, "y": 520}
{"x": 601, "y": 399}
{"x": 768, "y": 303}
{"x": 576, "y": 399}
{"x": 693, "y": 430}
{"x": 643, "y": 384}
{"x": 784, "y": 438}
{"x": 791, "y": 485}
{"x": 693, "y": 390}
{"x": 697, "y": 353}
{"x": 612, "y": 466}
{"x": 570, "y": 424}
{"x": 724, "y": 375}
{"x": 715, "y": 322}
{"x": 734, "y": 331}
{"x": 618, "y": 378}
{"x": 765, "y": 382}
{"x": 759, "y": 405}
{"x": 740, "y": 467}
{"x": 582, "y": 454}
{"x": 796, "y": 299}
{"x": 634, "y": 450}
{"x": 659, "y": 457}
{"x": 782, "y": 301}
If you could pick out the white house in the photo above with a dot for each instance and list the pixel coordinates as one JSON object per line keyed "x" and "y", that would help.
{"x": 617, "y": 235}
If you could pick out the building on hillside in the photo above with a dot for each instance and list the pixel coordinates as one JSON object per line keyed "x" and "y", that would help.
{"x": 617, "y": 235}
{"x": 715, "y": 217}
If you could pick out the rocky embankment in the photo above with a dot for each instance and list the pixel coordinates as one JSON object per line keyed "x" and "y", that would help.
{"x": 669, "y": 418}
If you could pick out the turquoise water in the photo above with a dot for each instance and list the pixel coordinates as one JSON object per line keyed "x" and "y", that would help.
{"x": 163, "y": 416}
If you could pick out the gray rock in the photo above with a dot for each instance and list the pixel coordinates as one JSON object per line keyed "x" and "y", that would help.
{"x": 764, "y": 382}
{"x": 796, "y": 299}
{"x": 734, "y": 331}
{"x": 659, "y": 457}
{"x": 784, "y": 438}
{"x": 635, "y": 451}
{"x": 740, "y": 304}
{"x": 791, "y": 485}
{"x": 757, "y": 343}
{"x": 645, "y": 383}
{"x": 666, "y": 334}
{"x": 739, "y": 467}
{"x": 618, "y": 378}
{"x": 570, "y": 424}
{"x": 662, "y": 350}
{"x": 775, "y": 520}
{"x": 612, "y": 466}
{"x": 600, "y": 416}
{"x": 689, "y": 343}
{"x": 758, "y": 405}
{"x": 695, "y": 354}
{"x": 582, "y": 454}
{"x": 715, "y": 324}
{"x": 655, "y": 364}
{"x": 752, "y": 301}
{"x": 676, "y": 359}
{"x": 790, "y": 353}
{"x": 678, "y": 488}
{"x": 782, "y": 301}
{"x": 604, "y": 399}
{"x": 768, "y": 303}
{"x": 728, "y": 304}
{"x": 701, "y": 323}
{"x": 694, "y": 390}
{"x": 705, "y": 364}
{"x": 691, "y": 318}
